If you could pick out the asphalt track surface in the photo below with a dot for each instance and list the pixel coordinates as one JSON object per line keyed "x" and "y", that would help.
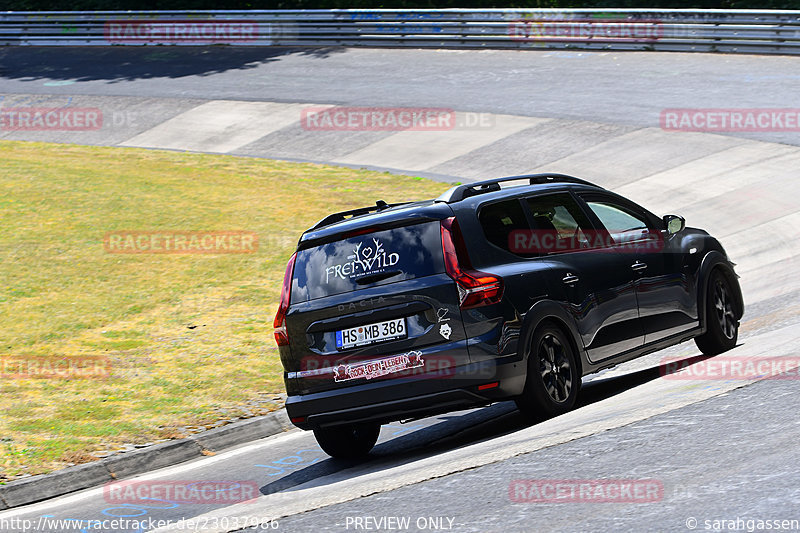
{"x": 628, "y": 88}
{"x": 721, "y": 449}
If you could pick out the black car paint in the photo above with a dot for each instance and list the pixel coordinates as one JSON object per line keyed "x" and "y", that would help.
{"x": 611, "y": 315}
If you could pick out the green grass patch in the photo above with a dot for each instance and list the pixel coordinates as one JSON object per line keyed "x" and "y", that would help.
{"x": 187, "y": 338}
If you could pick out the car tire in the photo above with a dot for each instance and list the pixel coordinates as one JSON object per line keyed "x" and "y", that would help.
{"x": 722, "y": 324}
{"x": 349, "y": 441}
{"x": 553, "y": 379}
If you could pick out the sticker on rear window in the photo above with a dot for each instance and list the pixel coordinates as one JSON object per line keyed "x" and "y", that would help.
{"x": 365, "y": 260}
{"x": 379, "y": 367}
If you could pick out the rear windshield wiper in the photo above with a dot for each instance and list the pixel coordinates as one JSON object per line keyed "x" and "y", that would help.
{"x": 373, "y": 278}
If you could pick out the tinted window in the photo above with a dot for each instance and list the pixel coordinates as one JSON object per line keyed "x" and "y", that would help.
{"x": 367, "y": 260}
{"x": 559, "y": 225}
{"x": 500, "y": 219}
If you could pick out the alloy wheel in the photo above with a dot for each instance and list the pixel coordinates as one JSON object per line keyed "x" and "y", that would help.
{"x": 724, "y": 309}
{"x": 555, "y": 369}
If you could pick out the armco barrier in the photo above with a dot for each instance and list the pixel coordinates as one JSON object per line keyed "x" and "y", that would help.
{"x": 733, "y": 31}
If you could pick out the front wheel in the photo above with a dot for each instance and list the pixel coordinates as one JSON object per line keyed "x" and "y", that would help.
{"x": 349, "y": 441}
{"x": 553, "y": 381}
{"x": 722, "y": 326}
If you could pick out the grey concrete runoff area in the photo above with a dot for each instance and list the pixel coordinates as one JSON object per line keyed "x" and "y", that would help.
{"x": 702, "y": 453}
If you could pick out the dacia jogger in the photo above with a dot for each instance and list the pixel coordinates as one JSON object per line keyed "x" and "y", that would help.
{"x": 493, "y": 291}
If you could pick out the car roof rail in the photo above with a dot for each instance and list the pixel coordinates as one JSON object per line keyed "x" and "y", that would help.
{"x": 380, "y": 205}
{"x": 460, "y": 192}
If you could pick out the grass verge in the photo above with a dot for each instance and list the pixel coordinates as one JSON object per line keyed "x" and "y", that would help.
{"x": 187, "y": 338}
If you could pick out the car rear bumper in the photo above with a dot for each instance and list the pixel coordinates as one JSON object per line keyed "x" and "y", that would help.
{"x": 389, "y": 400}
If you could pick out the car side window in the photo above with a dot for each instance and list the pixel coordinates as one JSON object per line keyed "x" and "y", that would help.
{"x": 623, "y": 224}
{"x": 500, "y": 220}
{"x": 559, "y": 225}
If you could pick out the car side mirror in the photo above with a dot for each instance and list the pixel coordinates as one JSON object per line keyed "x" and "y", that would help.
{"x": 674, "y": 223}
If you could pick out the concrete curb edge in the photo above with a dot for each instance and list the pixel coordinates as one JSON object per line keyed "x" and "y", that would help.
{"x": 74, "y": 478}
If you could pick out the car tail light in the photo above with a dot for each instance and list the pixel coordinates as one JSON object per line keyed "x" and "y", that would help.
{"x": 474, "y": 288}
{"x": 286, "y": 291}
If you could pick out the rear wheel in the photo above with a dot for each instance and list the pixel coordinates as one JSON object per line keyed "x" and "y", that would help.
{"x": 349, "y": 441}
{"x": 553, "y": 381}
{"x": 722, "y": 326}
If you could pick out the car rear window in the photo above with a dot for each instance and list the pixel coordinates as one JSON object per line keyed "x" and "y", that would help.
{"x": 367, "y": 260}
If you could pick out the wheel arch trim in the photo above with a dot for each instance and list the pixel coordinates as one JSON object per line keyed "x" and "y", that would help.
{"x": 712, "y": 261}
{"x": 549, "y": 310}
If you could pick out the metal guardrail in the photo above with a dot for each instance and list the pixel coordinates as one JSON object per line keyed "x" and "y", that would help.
{"x": 741, "y": 31}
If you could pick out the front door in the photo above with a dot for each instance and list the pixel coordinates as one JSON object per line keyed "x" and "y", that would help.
{"x": 597, "y": 286}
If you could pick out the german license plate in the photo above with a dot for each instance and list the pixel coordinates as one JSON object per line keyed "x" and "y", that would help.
{"x": 371, "y": 333}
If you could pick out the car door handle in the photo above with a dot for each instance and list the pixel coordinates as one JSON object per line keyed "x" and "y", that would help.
{"x": 570, "y": 278}
{"x": 638, "y": 265}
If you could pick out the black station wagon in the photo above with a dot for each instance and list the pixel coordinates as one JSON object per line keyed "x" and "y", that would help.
{"x": 512, "y": 288}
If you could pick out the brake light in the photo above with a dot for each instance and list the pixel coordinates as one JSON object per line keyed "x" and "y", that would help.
{"x": 286, "y": 291}
{"x": 475, "y": 288}
{"x": 358, "y": 232}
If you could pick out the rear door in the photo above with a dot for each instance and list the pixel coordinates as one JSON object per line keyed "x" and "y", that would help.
{"x": 373, "y": 306}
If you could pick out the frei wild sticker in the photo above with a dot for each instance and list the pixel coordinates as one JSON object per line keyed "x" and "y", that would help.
{"x": 365, "y": 260}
